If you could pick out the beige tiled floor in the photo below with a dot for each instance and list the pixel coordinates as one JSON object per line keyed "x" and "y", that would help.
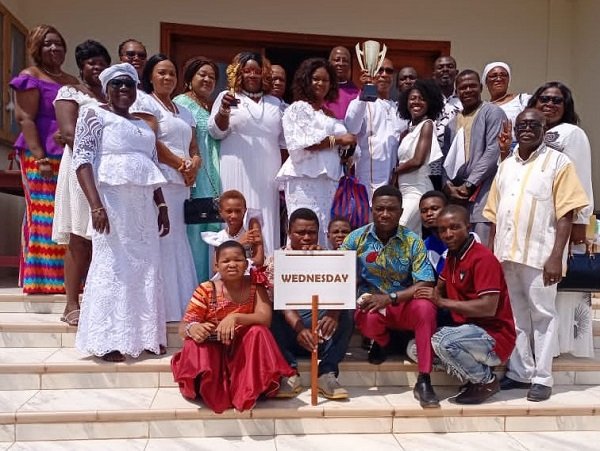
{"x": 515, "y": 441}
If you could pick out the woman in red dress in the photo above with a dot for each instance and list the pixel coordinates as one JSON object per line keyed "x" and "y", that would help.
{"x": 229, "y": 357}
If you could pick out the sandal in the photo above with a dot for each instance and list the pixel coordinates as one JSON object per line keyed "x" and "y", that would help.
{"x": 71, "y": 318}
{"x": 113, "y": 356}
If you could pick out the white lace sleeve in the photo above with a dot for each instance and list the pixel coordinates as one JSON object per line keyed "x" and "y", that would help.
{"x": 301, "y": 127}
{"x": 87, "y": 138}
{"x": 70, "y": 93}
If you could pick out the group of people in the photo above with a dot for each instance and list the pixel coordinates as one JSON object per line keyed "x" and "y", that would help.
{"x": 109, "y": 159}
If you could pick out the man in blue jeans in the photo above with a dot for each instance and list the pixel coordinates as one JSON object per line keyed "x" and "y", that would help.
{"x": 292, "y": 328}
{"x": 473, "y": 288}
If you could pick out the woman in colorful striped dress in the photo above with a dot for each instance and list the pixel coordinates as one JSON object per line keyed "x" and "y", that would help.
{"x": 39, "y": 156}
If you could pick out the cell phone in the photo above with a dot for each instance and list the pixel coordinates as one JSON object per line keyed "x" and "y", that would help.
{"x": 212, "y": 337}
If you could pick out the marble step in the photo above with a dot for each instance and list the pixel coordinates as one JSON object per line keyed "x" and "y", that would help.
{"x": 45, "y": 330}
{"x": 456, "y": 441}
{"x": 66, "y": 368}
{"x": 31, "y": 415}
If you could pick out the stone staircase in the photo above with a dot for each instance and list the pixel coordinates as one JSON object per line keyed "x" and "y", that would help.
{"x": 50, "y": 392}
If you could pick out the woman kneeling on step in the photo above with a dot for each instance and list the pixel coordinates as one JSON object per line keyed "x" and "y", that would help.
{"x": 229, "y": 357}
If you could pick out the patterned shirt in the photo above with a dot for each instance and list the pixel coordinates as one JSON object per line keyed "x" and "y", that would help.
{"x": 389, "y": 267}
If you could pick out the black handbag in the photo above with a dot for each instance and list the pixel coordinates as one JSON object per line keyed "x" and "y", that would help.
{"x": 583, "y": 273}
{"x": 202, "y": 210}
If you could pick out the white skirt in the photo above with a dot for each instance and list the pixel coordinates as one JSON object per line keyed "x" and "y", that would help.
{"x": 575, "y": 323}
{"x": 122, "y": 307}
{"x": 315, "y": 194}
{"x": 71, "y": 208}
{"x": 177, "y": 264}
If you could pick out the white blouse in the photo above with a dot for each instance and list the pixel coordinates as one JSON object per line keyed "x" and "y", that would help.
{"x": 304, "y": 127}
{"x": 407, "y": 149}
{"x": 174, "y": 131}
{"x": 122, "y": 151}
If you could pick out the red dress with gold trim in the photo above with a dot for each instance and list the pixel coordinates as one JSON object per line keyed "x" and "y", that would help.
{"x": 228, "y": 376}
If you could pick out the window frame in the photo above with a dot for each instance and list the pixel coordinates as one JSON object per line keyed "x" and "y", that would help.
{"x": 8, "y": 22}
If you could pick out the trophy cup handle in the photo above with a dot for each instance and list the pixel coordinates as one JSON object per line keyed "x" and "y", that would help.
{"x": 359, "y": 55}
{"x": 381, "y": 58}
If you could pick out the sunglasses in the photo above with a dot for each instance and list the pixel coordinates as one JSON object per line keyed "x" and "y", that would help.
{"x": 524, "y": 125}
{"x": 132, "y": 54}
{"x": 556, "y": 100}
{"x": 117, "y": 83}
{"x": 407, "y": 77}
{"x": 387, "y": 70}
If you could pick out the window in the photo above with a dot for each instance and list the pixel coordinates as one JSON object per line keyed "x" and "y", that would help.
{"x": 12, "y": 60}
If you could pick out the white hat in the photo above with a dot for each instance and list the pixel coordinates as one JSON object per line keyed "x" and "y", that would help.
{"x": 490, "y": 66}
{"x": 117, "y": 70}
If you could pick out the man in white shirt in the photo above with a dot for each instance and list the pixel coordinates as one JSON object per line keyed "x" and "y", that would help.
{"x": 533, "y": 199}
{"x": 377, "y": 127}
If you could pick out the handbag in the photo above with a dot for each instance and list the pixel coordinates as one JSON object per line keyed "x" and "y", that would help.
{"x": 202, "y": 210}
{"x": 351, "y": 201}
{"x": 583, "y": 273}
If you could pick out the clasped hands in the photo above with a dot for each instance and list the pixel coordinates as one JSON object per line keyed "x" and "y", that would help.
{"x": 189, "y": 169}
{"x": 224, "y": 331}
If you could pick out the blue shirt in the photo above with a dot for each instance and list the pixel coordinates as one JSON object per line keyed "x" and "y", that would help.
{"x": 390, "y": 267}
{"x": 436, "y": 252}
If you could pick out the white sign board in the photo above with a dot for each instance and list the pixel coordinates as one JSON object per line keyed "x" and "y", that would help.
{"x": 301, "y": 274}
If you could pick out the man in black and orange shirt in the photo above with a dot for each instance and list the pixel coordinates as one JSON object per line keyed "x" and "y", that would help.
{"x": 473, "y": 288}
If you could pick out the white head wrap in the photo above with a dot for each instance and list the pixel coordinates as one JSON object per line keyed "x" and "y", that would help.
{"x": 117, "y": 70}
{"x": 490, "y": 66}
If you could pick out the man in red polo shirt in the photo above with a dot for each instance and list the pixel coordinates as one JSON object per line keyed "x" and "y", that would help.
{"x": 473, "y": 288}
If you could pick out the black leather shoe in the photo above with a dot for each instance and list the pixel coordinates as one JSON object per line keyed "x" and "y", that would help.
{"x": 477, "y": 393}
{"x": 377, "y": 354}
{"x": 424, "y": 393}
{"x": 508, "y": 384}
{"x": 539, "y": 392}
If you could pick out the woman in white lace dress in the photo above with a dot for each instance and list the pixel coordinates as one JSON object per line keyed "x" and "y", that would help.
{"x": 114, "y": 155}
{"x": 251, "y": 138}
{"x": 575, "y": 318}
{"x": 313, "y": 136}
{"x": 176, "y": 132}
{"x": 421, "y": 105}
{"x": 71, "y": 210}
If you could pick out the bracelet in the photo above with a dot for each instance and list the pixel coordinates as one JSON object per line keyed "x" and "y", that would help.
{"x": 331, "y": 141}
{"x": 97, "y": 210}
{"x": 224, "y": 111}
{"x": 41, "y": 161}
{"x": 188, "y": 326}
{"x": 162, "y": 204}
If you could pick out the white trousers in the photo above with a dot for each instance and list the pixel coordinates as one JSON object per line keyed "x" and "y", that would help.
{"x": 534, "y": 310}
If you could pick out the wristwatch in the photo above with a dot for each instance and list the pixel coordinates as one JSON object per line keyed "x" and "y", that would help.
{"x": 394, "y": 297}
{"x": 470, "y": 187}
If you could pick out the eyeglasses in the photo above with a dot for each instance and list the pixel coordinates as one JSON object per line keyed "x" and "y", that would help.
{"x": 524, "y": 125}
{"x": 387, "y": 70}
{"x": 556, "y": 100}
{"x": 132, "y": 54}
{"x": 117, "y": 83}
{"x": 407, "y": 77}
{"x": 498, "y": 76}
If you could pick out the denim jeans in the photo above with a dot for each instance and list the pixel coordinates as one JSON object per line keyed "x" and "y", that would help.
{"x": 331, "y": 352}
{"x": 467, "y": 352}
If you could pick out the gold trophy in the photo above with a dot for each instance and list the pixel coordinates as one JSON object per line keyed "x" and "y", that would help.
{"x": 231, "y": 72}
{"x": 370, "y": 59}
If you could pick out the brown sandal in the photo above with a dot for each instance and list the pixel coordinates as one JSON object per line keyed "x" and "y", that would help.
{"x": 113, "y": 356}
{"x": 71, "y": 318}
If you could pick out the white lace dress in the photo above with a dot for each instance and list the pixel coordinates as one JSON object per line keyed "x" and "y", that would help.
{"x": 71, "y": 209}
{"x": 122, "y": 307}
{"x": 310, "y": 178}
{"x": 177, "y": 264}
{"x": 251, "y": 157}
